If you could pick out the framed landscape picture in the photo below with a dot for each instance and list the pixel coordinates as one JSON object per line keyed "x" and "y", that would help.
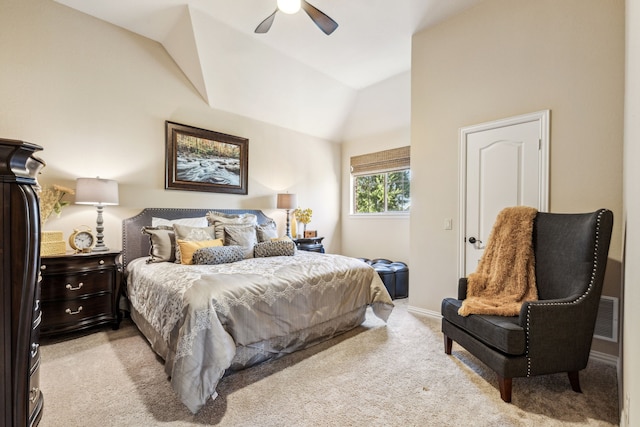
{"x": 204, "y": 160}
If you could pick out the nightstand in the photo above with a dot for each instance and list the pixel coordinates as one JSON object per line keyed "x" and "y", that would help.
{"x": 310, "y": 244}
{"x": 79, "y": 291}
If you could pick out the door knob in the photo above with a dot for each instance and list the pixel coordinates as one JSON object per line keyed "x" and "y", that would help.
{"x": 476, "y": 242}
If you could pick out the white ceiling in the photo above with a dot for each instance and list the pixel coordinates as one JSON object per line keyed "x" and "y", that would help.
{"x": 270, "y": 76}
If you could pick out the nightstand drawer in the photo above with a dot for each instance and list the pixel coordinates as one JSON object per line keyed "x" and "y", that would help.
{"x": 57, "y": 314}
{"x": 78, "y": 291}
{"x": 67, "y": 286}
{"x": 92, "y": 262}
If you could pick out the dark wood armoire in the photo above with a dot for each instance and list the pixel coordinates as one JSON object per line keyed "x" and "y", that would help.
{"x": 20, "y": 394}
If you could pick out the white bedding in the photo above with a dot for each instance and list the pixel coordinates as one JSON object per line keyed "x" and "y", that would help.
{"x": 202, "y": 319}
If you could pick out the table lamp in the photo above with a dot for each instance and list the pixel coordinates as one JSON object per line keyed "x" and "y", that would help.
{"x": 287, "y": 201}
{"x": 98, "y": 192}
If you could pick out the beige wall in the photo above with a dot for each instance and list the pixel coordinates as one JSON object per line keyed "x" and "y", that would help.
{"x": 373, "y": 236}
{"x": 500, "y": 59}
{"x": 379, "y": 121}
{"x": 630, "y": 378}
{"x": 96, "y": 98}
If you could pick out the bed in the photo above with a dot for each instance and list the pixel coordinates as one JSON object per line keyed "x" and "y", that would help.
{"x": 208, "y": 319}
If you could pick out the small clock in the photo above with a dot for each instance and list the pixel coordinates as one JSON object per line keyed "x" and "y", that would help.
{"x": 82, "y": 240}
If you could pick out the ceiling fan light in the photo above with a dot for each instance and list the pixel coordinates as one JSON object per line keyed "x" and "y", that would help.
{"x": 289, "y": 6}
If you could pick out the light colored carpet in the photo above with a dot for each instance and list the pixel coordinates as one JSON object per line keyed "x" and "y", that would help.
{"x": 376, "y": 375}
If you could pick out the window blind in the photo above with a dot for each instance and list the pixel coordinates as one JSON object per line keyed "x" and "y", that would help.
{"x": 382, "y": 161}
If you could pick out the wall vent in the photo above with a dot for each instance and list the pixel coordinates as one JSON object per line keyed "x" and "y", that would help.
{"x": 607, "y": 320}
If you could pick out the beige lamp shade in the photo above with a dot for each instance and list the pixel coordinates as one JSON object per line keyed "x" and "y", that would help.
{"x": 96, "y": 191}
{"x": 287, "y": 201}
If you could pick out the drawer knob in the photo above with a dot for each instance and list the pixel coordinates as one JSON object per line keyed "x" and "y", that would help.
{"x": 68, "y": 311}
{"x": 34, "y": 349}
{"x": 71, "y": 288}
{"x": 101, "y": 262}
{"x": 33, "y": 394}
{"x": 43, "y": 267}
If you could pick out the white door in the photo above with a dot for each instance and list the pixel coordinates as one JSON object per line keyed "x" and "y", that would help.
{"x": 502, "y": 163}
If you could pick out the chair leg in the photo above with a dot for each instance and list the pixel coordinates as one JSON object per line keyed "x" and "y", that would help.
{"x": 505, "y": 388}
{"x": 574, "y": 379}
{"x": 448, "y": 343}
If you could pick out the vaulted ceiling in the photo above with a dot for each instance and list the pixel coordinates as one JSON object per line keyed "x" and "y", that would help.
{"x": 294, "y": 76}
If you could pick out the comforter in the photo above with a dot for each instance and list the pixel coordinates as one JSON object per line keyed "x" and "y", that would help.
{"x": 206, "y": 318}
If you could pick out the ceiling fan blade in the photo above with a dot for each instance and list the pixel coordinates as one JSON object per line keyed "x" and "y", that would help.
{"x": 326, "y": 24}
{"x": 266, "y": 24}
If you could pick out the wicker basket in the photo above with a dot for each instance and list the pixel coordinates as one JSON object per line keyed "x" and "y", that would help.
{"x": 52, "y": 243}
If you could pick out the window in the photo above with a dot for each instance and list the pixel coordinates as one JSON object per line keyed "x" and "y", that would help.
{"x": 381, "y": 182}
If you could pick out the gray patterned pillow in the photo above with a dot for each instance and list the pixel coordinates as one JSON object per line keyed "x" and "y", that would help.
{"x": 186, "y": 232}
{"x": 218, "y": 255}
{"x": 274, "y": 248}
{"x": 162, "y": 239}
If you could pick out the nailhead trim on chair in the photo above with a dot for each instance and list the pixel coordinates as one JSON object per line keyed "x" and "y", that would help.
{"x": 593, "y": 276}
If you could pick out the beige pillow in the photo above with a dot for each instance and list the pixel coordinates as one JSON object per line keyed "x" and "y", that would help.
{"x": 188, "y": 247}
{"x": 162, "y": 241}
{"x": 218, "y": 220}
{"x": 267, "y": 231}
{"x": 241, "y": 235}
{"x": 194, "y": 234}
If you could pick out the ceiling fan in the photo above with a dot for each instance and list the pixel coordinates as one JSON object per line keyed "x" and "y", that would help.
{"x": 326, "y": 24}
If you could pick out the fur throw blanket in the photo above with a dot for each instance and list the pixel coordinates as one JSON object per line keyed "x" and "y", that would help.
{"x": 505, "y": 276}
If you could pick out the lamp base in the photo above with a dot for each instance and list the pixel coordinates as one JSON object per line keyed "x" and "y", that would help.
{"x": 99, "y": 247}
{"x": 288, "y": 230}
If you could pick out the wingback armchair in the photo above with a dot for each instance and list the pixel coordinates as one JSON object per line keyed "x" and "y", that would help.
{"x": 552, "y": 334}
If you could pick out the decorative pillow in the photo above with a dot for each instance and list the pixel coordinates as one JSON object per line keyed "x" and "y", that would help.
{"x": 241, "y": 235}
{"x": 191, "y": 222}
{"x": 195, "y": 234}
{"x": 218, "y": 220}
{"x": 218, "y": 255}
{"x": 162, "y": 239}
{"x": 274, "y": 248}
{"x": 267, "y": 231}
{"x": 282, "y": 239}
{"x": 188, "y": 247}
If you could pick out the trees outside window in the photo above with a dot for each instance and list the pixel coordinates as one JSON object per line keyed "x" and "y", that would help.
{"x": 382, "y": 192}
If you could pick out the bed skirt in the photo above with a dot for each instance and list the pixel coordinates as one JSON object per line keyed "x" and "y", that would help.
{"x": 262, "y": 351}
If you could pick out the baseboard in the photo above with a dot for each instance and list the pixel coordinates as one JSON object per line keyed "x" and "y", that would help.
{"x": 595, "y": 355}
{"x": 423, "y": 312}
{"x": 604, "y": 357}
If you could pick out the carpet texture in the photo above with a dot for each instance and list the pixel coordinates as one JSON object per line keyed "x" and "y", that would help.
{"x": 376, "y": 375}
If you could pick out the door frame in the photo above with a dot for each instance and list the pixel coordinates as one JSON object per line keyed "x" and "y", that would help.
{"x": 542, "y": 117}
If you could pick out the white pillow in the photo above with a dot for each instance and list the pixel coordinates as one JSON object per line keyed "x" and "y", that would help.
{"x": 191, "y": 222}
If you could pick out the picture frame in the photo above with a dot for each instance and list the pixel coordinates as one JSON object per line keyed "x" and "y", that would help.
{"x": 203, "y": 160}
{"x": 310, "y": 233}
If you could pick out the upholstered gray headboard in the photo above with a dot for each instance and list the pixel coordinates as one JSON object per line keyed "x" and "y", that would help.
{"x": 135, "y": 244}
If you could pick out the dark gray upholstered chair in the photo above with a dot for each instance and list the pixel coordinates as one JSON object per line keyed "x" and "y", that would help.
{"x": 552, "y": 334}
